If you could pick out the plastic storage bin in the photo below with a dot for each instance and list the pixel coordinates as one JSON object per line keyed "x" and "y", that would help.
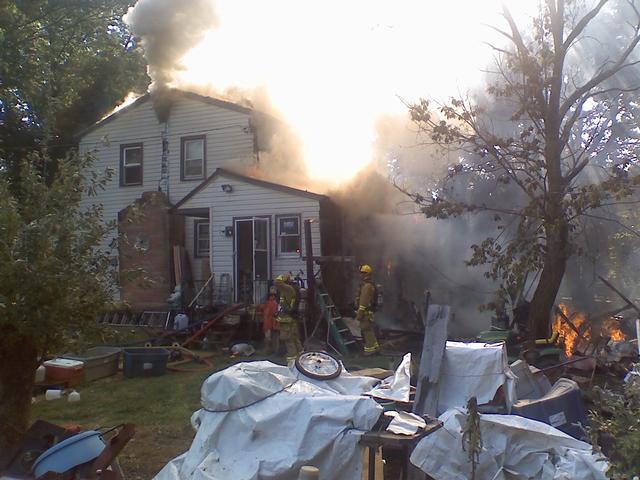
{"x": 99, "y": 362}
{"x": 562, "y": 407}
{"x": 139, "y": 362}
{"x": 70, "y": 372}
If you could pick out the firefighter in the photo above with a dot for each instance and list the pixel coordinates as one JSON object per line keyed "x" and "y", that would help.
{"x": 366, "y": 305}
{"x": 270, "y": 326}
{"x": 286, "y": 317}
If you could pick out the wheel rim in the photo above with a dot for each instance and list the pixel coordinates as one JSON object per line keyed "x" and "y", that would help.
{"x": 318, "y": 363}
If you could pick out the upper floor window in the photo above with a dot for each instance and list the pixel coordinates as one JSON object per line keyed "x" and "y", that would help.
{"x": 289, "y": 235}
{"x": 131, "y": 164}
{"x": 193, "y": 161}
{"x": 201, "y": 238}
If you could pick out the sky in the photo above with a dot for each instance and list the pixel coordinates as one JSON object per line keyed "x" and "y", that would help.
{"x": 330, "y": 69}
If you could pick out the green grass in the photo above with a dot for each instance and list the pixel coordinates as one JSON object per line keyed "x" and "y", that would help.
{"x": 160, "y": 407}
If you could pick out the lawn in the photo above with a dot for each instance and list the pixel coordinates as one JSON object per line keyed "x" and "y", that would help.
{"x": 160, "y": 407}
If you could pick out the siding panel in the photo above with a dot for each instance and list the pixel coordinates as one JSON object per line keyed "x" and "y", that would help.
{"x": 248, "y": 200}
{"x": 229, "y": 141}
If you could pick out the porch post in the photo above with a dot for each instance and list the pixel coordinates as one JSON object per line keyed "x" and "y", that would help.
{"x": 311, "y": 281}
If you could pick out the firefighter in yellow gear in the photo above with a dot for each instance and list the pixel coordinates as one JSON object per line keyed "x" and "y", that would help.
{"x": 288, "y": 323}
{"x": 365, "y": 304}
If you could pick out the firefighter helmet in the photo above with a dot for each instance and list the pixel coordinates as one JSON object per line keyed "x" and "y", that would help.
{"x": 285, "y": 277}
{"x": 366, "y": 269}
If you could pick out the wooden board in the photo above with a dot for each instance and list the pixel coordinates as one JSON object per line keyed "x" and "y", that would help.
{"x": 433, "y": 346}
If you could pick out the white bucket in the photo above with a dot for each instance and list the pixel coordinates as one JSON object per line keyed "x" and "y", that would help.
{"x": 53, "y": 394}
{"x": 309, "y": 473}
{"x": 73, "y": 397}
{"x": 40, "y": 373}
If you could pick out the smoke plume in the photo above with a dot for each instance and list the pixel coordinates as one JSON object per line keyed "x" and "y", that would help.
{"x": 167, "y": 30}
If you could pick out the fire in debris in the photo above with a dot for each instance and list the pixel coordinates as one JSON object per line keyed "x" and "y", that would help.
{"x": 611, "y": 329}
{"x": 569, "y": 335}
{"x": 576, "y": 331}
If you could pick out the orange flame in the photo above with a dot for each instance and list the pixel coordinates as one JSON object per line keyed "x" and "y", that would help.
{"x": 568, "y": 335}
{"x": 611, "y": 328}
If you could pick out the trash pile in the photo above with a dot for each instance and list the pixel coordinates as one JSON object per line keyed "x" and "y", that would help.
{"x": 262, "y": 420}
{"x": 512, "y": 447}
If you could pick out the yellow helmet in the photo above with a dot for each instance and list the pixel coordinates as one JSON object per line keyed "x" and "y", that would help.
{"x": 285, "y": 277}
{"x": 366, "y": 269}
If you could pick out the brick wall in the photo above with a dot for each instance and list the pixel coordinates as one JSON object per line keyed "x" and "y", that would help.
{"x": 145, "y": 252}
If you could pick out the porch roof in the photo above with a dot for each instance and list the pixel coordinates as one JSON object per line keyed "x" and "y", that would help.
{"x": 226, "y": 173}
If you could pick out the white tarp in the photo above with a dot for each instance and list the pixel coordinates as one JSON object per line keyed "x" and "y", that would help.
{"x": 474, "y": 370}
{"x": 404, "y": 423}
{"x": 345, "y": 384}
{"x": 512, "y": 447}
{"x": 263, "y": 421}
{"x": 396, "y": 387}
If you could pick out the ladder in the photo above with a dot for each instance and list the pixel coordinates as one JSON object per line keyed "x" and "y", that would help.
{"x": 118, "y": 317}
{"x": 155, "y": 319}
{"x": 339, "y": 337}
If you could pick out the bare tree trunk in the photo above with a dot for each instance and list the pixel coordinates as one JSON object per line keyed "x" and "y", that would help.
{"x": 555, "y": 264}
{"x": 18, "y": 364}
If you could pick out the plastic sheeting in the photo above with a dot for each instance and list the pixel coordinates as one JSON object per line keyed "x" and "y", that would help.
{"x": 396, "y": 387}
{"x": 512, "y": 447}
{"x": 404, "y": 423}
{"x": 345, "y": 384}
{"x": 264, "y": 421}
{"x": 474, "y": 370}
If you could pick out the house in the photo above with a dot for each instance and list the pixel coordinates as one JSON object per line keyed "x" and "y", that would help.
{"x": 180, "y": 161}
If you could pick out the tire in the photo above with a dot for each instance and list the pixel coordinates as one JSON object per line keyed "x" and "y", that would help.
{"x": 331, "y": 366}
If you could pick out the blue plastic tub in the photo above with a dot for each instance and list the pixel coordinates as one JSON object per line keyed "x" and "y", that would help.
{"x": 562, "y": 407}
{"x": 141, "y": 362}
{"x": 73, "y": 451}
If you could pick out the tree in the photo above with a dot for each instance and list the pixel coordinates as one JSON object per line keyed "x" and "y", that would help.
{"x": 552, "y": 141}
{"x": 54, "y": 277}
{"x": 63, "y": 65}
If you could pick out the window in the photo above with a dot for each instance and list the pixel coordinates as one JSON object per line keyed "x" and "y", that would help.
{"x": 131, "y": 164}
{"x": 201, "y": 238}
{"x": 193, "y": 163}
{"x": 289, "y": 235}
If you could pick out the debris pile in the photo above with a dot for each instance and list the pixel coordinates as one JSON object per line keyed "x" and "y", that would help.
{"x": 512, "y": 447}
{"x": 262, "y": 420}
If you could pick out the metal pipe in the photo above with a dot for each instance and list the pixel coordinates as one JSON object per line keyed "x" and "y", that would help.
{"x": 311, "y": 281}
{"x": 638, "y": 333}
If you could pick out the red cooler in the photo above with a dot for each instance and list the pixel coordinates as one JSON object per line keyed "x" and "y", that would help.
{"x": 61, "y": 370}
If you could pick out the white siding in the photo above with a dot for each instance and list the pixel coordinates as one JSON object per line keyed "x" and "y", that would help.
{"x": 228, "y": 139}
{"x": 198, "y": 264}
{"x": 136, "y": 125}
{"x": 248, "y": 200}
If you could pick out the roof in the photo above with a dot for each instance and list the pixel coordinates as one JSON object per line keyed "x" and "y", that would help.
{"x": 255, "y": 181}
{"x": 174, "y": 93}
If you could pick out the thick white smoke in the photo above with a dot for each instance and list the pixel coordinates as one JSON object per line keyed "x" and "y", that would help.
{"x": 168, "y": 29}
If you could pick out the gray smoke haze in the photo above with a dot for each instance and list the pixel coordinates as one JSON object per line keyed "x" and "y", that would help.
{"x": 409, "y": 252}
{"x": 168, "y": 29}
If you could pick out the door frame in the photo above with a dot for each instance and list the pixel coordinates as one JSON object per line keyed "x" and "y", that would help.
{"x": 236, "y": 221}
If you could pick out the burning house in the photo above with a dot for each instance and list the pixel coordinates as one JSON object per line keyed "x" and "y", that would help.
{"x": 182, "y": 208}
